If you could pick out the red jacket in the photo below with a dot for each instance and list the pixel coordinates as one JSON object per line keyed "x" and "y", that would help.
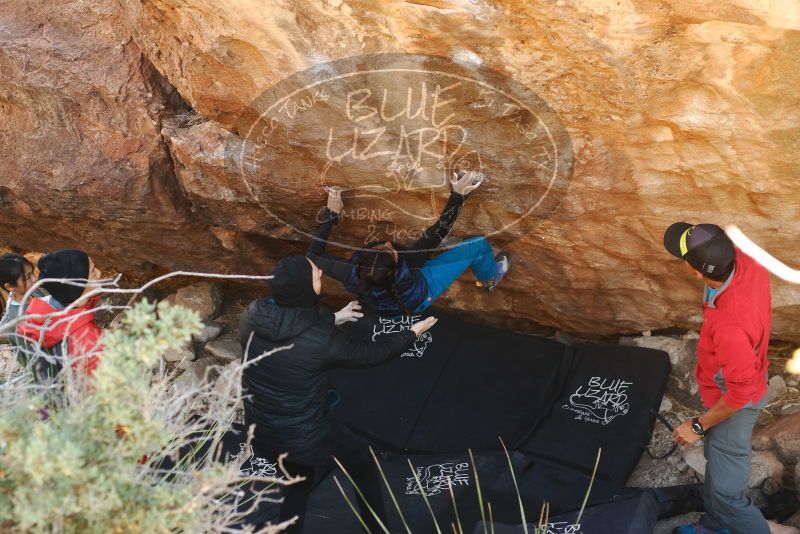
{"x": 77, "y": 325}
{"x": 732, "y": 350}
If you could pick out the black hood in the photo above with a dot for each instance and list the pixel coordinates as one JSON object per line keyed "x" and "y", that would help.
{"x": 273, "y": 322}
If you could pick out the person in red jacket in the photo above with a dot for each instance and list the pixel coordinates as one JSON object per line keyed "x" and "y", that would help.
{"x": 71, "y": 333}
{"x": 731, "y": 373}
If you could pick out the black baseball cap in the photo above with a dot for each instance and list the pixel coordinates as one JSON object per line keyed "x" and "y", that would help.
{"x": 705, "y": 247}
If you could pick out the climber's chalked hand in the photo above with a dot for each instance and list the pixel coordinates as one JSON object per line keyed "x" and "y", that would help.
{"x": 465, "y": 182}
{"x": 423, "y": 326}
{"x": 348, "y": 314}
{"x": 335, "y": 202}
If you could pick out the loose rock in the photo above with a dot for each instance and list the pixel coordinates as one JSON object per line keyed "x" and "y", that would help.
{"x": 564, "y": 337}
{"x": 8, "y": 361}
{"x": 197, "y": 373}
{"x": 797, "y": 483}
{"x": 783, "y": 437}
{"x": 791, "y": 408}
{"x": 224, "y": 387}
{"x": 185, "y": 363}
{"x": 225, "y": 349}
{"x": 777, "y": 388}
{"x": 178, "y": 355}
{"x": 209, "y": 332}
{"x": 652, "y": 473}
{"x": 765, "y": 465}
{"x": 205, "y": 298}
{"x": 666, "y": 405}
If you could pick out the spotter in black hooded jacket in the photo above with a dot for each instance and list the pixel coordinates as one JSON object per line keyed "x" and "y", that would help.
{"x": 287, "y": 391}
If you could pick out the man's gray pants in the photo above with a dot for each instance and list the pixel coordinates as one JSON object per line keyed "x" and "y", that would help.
{"x": 728, "y": 450}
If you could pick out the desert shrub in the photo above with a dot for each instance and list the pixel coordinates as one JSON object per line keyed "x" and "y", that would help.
{"x": 72, "y": 454}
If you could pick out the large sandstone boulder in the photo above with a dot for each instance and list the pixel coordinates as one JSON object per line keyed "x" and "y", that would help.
{"x": 84, "y": 163}
{"x": 120, "y": 120}
{"x": 682, "y": 353}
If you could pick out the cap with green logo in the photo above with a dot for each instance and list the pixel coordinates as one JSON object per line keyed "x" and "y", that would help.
{"x": 704, "y": 246}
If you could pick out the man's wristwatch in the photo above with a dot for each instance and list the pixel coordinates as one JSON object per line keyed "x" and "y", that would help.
{"x": 697, "y": 427}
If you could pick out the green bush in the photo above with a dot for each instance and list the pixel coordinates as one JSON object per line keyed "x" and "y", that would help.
{"x": 71, "y": 454}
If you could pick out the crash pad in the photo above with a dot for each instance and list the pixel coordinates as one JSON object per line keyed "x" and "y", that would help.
{"x": 466, "y": 386}
{"x": 461, "y": 386}
{"x": 636, "y": 514}
{"x": 609, "y": 404}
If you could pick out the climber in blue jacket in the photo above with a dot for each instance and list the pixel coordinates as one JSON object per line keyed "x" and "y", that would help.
{"x": 393, "y": 280}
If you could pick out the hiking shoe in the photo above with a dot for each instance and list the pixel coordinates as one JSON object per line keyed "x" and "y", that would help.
{"x": 503, "y": 265}
{"x": 697, "y": 528}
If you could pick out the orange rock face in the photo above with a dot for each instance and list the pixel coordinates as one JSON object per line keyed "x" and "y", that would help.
{"x": 167, "y": 134}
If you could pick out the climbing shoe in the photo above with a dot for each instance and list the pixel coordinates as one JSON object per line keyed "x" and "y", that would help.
{"x": 502, "y": 266}
{"x": 697, "y": 528}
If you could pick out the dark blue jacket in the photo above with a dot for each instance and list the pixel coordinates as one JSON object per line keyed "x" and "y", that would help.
{"x": 412, "y": 289}
{"x": 409, "y": 282}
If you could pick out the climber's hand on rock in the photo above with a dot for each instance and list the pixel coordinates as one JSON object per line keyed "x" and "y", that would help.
{"x": 335, "y": 203}
{"x": 465, "y": 182}
{"x": 423, "y": 326}
{"x": 348, "y": 314}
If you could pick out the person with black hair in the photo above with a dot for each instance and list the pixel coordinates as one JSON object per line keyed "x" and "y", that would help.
{"x": 65, "y": 321}
{"x": 17, "y": 276}
{"x": 731, "y": 373}
{"x": 286, "y": 392}
{"x": 393, "y": 280}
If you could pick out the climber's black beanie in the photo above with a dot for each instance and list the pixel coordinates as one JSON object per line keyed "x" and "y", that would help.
{"x": 69, "y": 264}
{"x": 292, "y": 283}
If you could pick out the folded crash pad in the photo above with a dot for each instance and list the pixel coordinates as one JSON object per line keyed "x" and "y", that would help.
{"x": 609, "y": 402}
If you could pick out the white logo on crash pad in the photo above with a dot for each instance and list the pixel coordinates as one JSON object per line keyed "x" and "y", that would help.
{"x": 562, "y": 527}
{"x": 255, "y": 466}
{"x": 398, "y": 324}
{"x": 437, "y": 478}
{"x": 600, "y": 400}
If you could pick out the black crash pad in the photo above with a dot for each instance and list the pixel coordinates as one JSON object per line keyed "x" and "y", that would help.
{"x": 467, "y": 385}
{"x": 609, "y": 402}
{"x": 436, "y": 473}
{"x": 462, "y": 386}
{"x": 636, "y": 514}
